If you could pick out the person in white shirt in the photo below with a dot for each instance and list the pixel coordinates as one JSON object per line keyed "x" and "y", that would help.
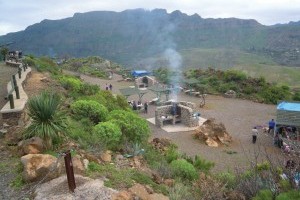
{"x": 254, "y": 135}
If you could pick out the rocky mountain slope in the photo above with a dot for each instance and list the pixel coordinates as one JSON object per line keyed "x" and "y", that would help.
{"x": 133, "y": 35}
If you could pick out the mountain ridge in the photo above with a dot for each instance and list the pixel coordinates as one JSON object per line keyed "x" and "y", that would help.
{"x": 131, "y": 36}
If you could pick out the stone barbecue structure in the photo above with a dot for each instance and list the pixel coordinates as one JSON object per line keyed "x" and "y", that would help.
{"x": 175, "y": 112}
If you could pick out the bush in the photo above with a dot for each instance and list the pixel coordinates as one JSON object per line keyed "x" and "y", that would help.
{"x": 71, "y": 83}
{"x": 291, "y": 195}
{"x": 91, "y": 109}
{"x": 234, "y": 75}
{"x": 264, "y": 195}
{"x": 182, "y": 168}
{"x": 109, "y": 133}
{"x": 172, "y": 154}
{"x": 202, "y": 164}
{"x": 88, "y": 89}
{"x": 134, "y": 128}
{"x": 263, "y": 166}
{"x": 180, "y": 192}
{"x": 227, "y": 178}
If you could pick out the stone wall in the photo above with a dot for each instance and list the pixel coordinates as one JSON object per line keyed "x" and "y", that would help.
{"x": 163, "y": 114}
{"x": 139, "y": 81}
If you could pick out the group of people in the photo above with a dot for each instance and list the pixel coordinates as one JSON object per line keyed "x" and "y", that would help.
{"x": 139, "y": 106}
{"x": 271, "y": 129}
{"x": 108, "y": 87}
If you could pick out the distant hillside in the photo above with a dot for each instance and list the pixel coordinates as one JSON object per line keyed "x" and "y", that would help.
{"x": 135, "y": 36}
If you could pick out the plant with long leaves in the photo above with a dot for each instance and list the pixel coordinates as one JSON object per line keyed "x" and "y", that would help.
{"x": 48, "y": 122}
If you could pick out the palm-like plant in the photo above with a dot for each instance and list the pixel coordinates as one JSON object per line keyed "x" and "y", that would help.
{"x": 47, "y": 122}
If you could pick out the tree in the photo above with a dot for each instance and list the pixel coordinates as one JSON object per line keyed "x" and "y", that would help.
{"x": 3, "y": 52}
{"x": 48, "y": 122}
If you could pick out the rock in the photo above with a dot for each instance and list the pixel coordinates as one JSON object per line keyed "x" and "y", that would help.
{"x": 169, "y": 182}
{"x": 78, "y": 166}
{"x": 149, "y": 189}
{"x": 33, "y": 145}
{"x": 156, "y": 196}
{"x": 140, "y": 191}
{"x": 106, "y": 156}
{"x": 157, "y": 178}
{"x": 86, "y": 189}
{"x": 3, "y": 131}
{"x": 37, "y": 166}
{"x": 5, "y": 125}
{"x": 123, "y": 195}
{"x": 211, "y": 143}
{"x": 86, "y": 163}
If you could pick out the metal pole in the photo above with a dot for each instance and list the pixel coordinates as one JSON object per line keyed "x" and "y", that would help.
{"x": 69, "y": 171}
{"x": 11, "y": 101}
{"x": 17, "y": 92}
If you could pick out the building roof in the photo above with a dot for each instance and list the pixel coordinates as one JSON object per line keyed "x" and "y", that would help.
{"x": 289, "y": 106}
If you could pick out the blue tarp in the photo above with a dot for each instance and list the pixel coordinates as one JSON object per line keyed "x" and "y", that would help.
{"x": 289, "y": 106}
{"x": 137, "y": 73}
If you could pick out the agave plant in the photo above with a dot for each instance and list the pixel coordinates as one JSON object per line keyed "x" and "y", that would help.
{"x": 48, "y": 122}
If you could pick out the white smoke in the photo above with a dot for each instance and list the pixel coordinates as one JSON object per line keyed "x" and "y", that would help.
{"x": 174, "y": 62}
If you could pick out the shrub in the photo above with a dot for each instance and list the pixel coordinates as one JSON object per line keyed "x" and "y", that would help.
{"x": 172, "y": 154}
{"x": 109, "y": 133}
{"x": 180, "y": 192}
{"x": 134, "y": 128}
{"x": 291, "y": 195}
{"x": 71, "y": 83}
{"x": 234, "y": 75}
{"x": 88, "y": 89}
{"x": 296, "y": 96}
{"x": 227, "y": 178}
{"x": 264, "y": 195}
{"x": 182, "y": 168}
{"x": 91, "y": 109}
{"x": 202, "y": 164}
{"x": 47, "y": 122}
{"x": 263, "y": 166}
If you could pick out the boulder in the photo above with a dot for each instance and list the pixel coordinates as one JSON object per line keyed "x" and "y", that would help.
{"x": 213, "y": 134}
{"x": 123, "y": 195}
{"x": 33, "y": 145}
{"x": 106, "y": 156}
{"x": 40, "y": 166}
{"x": 211, "y": 143}
{"x": 140, "y": 191}
{"x": 86, "y": 188}
{"x": 157, "y": 196}
{"x": 78, "y": 166}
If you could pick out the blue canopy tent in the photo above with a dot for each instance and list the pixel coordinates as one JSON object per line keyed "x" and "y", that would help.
{"x": 139, "y": 73}
{"x": 288, "y": 116}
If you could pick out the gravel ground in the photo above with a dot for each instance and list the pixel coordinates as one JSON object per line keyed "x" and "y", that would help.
{"x": 238, "y": 116}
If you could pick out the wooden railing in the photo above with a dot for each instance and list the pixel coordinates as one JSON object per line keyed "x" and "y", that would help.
{"x": 14, "y": 86}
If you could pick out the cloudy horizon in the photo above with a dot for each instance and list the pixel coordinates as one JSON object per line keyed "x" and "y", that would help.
{"x": 266, "y": 12}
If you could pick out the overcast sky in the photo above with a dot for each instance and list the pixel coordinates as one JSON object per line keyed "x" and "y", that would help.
{"x": 16, "y": 15}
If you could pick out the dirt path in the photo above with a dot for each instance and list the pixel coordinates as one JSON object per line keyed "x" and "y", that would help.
{"x": 238, "y": 116}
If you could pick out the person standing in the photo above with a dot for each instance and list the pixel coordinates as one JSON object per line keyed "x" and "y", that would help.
{"x": 106, "y": 87}
{"x": 110, "y": 87}
{"x": 146, "y": 107}
{"x": 271, "y": 125}
{"x": 254, "y": 134}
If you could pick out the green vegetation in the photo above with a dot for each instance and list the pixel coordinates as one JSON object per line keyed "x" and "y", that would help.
{"x": 218, "y": 82}
{"x": 48, "y": 122}
{"x": 90, "y": 109}
{"x": 109, "y": 133}
{"x": 136, "y": 132}
{"x": 183, "y": 169}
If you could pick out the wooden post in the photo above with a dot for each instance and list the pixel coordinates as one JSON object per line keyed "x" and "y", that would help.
{"x": 69, "y": 171}
{"x": 17, "y": 92}
{"x": 19, "y": 72}
{"x": 14, "y": 80}
{"x": 11, "y": 101}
